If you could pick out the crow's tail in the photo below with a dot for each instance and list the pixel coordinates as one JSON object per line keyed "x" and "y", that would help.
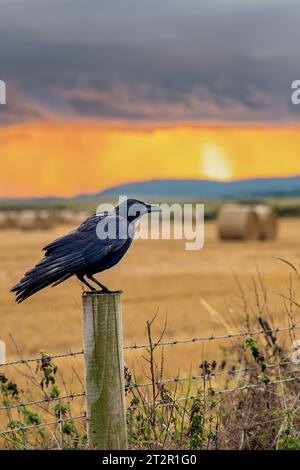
{"x": 50, "y": 270}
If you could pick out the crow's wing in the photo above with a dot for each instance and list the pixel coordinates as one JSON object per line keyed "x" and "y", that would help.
{"x": 70, "y": 254}
{"x": 85, "y": 230}
{"x": 95, "y": 237}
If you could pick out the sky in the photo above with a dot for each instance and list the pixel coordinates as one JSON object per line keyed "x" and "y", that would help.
{"x": 149, "y": 60}
{"x": 64, "y": 160}
{"x": 118, "y": 67}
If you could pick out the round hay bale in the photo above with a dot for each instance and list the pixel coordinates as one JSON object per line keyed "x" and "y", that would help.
{"x": 267, "y": 221}
{"x": 12, "y": 218}
{"x": 237, "y": 222}
{"x": 65, "y": 216}
{"x": 27, "y": 220}
{"x": 44, "y": 220}
{"x": 3, "y": 220}
{"x": 80, "y": 217}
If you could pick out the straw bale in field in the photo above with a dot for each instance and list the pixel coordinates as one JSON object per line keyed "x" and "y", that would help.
{"x": 268, "y": 222}
{"x": 45, "y": 220}
{"x": 3, "y": 220}
{"x": 80, "y": 217}
{"x": 238, "y": 222}
{"x": 8, "y": 219}
{"x": 35, "y": 220}
{"x": 65, "y": 216}
{"x": 12, "y": 219}
{"x": 27, "y": 220}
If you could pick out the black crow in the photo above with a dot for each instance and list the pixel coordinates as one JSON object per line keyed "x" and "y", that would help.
{"x": 97, "y": 244}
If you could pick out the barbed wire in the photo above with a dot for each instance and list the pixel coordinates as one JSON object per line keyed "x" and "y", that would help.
{"x": 205, "y": 375}
{"x": 38, "y": 402}
{"x": 158, "y": 383}
{"x": 42, "y": 425}
{"x": 149, "y": 404}
{"x": 159, "y": 344}
{"x": 43, "y": 356}
{"x": 245, "y": 387}
{"x": 214, "y": 337}
{"x": 212, "y": 393}
{"x": 208, "y": 375}
{"x": 171, "y": 402}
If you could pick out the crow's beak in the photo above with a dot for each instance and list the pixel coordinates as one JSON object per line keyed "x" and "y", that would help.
{"x": 152, "y": 208}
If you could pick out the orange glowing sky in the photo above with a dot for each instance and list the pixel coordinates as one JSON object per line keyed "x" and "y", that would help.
{"x": 69, "y": 158}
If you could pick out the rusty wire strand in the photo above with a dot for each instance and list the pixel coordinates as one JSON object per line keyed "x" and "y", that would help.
{"x": 214, "y": 392}
{"x": 41, "y": 425}
{"x": 214, "y": 337}
{"x": 44, "y": 356}
{"x": 38, "y": 402}
{"x": 161, "y": 403}
{"x": 161, "y": 344}
{"x": 208, "y": 375}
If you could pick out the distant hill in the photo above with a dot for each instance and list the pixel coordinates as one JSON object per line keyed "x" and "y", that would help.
{"x": 176, "y": 190}
{"x": 195, "y": 189}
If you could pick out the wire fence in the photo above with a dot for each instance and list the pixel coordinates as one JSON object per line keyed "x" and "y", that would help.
{"x": 218, "y": 392}
{"x": 162, "y": 344}
{"x": 44, "y": 400}
{"x": 206, "y": 375}
{"x": 38, "y": 359}
{"x": 215, "y": 337}
{"x": 42, "y": 425}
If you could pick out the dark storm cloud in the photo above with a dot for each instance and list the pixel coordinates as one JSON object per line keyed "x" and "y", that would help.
{"x": 136, "y": 59}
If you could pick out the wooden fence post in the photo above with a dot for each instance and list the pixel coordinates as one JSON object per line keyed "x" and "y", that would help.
{"x": 104, "y": 371}
{"x": 2, "y": 352}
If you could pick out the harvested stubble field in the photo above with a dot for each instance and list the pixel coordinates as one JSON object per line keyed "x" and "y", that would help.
{"x": 155, "y": 275}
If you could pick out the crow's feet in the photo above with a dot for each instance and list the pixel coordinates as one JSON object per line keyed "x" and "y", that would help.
{"x": 105, "y": 290}
{"x": 108, "y": 291}
{"x": 102, "y": 291}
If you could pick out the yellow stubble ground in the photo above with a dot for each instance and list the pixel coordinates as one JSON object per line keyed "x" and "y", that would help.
{"x": 157, "y": 275}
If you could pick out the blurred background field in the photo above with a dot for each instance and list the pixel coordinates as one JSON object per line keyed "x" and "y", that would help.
{"x": 156, "y": 275}
{"x": 284, "y": 207}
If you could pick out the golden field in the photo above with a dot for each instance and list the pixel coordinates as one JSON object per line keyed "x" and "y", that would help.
{"x": 154, "y": 275}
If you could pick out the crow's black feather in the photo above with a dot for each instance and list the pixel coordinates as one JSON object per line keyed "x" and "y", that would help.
{"x": 80, "y": 252}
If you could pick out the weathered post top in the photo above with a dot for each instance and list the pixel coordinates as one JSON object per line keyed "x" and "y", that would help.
{"x": 104, "y": 370}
